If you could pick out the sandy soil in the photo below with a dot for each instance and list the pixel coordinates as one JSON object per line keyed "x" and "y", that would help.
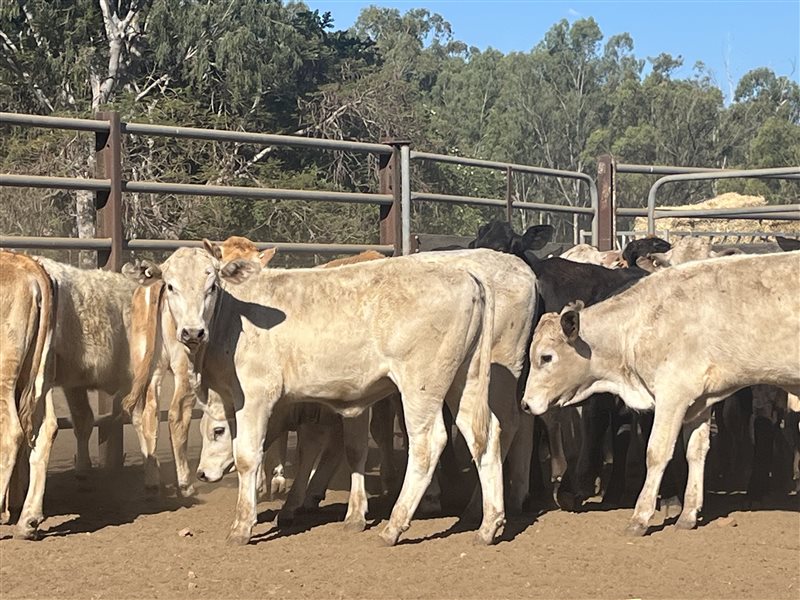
{"x": 104, "y": 538}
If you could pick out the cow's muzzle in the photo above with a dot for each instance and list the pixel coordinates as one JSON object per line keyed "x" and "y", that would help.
{"x": 193, "y": 335}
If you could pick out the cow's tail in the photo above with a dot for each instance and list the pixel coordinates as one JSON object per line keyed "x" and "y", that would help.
{"x": 43, "y": 322}
{"x": 145, "y": 335}
{"x": 482, "y": 418}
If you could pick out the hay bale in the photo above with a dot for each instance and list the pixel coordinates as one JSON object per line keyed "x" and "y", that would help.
{"x": 684, "y": 225}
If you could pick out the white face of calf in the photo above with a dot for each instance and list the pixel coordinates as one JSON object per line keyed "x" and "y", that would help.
{"x": 216, "y": 454}
{"x": 559, "y": 361}
{"x": 192, "y": 279}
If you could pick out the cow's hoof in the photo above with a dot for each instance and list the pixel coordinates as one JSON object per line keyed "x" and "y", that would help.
{"x": 355, "y": 525}
{"x": 686, "y": 523}
{"x": 285, "y": 519}
{"x": 186, "y": 490}
{"x": 82, "y": 468}
{"x": 567, "y": 501}
{"x": 238, "y": 539}
{"x": 483, "y": 539}
{"x": 28, "y": 529}
{"x": 634, "y": 529}
{"x": 311, "y": 504}
{"x": 389, "y": 536}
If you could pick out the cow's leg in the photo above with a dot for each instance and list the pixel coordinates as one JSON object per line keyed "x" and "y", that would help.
{"x": 426, "y": 440}
{"x": 355, "y": 431}
{"x": 518, "y": 464}
{"x": 11, "y": 436}
{"x": 329, "y": 461}
{"x": 82, "y": 426}
{"x": 310, "y": 443}
{"x": 180, "y": 419}
{"x": 248, "y": 454}
{"x": 698, "y": 432}
{"x": 382, "y": 429}
{"x": 145, "y": 423}
{"x": 669, "y": 414}
{"x": 32, "y": 514}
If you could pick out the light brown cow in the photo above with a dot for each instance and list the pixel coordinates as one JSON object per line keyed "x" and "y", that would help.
{"x": 686, "y": 249}
{"x": 292, "y": 330}
{"x": 28, "y": 299}
{"x": 678, "y": 342}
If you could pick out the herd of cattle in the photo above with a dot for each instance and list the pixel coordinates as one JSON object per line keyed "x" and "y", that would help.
{"x": 649, "y": 341}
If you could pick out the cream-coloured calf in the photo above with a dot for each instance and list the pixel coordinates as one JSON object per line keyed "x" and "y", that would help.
{"x": 345, "y": 337}
{"x": 676, "y": 342}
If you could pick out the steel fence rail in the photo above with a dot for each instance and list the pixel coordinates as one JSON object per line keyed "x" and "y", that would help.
{"x": 264, "y": 139}
{"x": 54, "y": 243}
{"x": 671, "y": 170}
{"x": 733, "y": 174}
{"x": 293, "y": 247}
{"x": 95, "y": 125}
{"x": 58, "y": 183}
{"x": 191, "y": 189}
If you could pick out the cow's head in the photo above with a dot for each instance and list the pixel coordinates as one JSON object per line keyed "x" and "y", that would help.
{"x": 192, "y": 278}
{"x": 559, "y": 361}
{"x": 500, "y": 236}
{"x": 216, "y": 453}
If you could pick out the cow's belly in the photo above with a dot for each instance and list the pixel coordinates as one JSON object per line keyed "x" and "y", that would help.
{"x": 348, "y": 397}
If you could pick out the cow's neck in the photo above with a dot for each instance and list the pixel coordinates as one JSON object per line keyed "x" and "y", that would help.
{"x": 605, "y": 329}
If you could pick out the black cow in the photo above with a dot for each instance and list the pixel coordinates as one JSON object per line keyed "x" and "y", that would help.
{"x": 643, "y": 247}
{"x": 787, "y": 244}
{"x": 500, "y": 236}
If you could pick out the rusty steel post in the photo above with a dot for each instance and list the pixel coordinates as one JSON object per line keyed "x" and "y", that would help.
{"x": 509, "y": 193}
{"x": 389, "y": 183}
{"x": 108, "y": 165}
{"x": 606, "y": 207}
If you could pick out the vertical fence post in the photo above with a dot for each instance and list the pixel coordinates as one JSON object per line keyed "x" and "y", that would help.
{"x": 108, "y": 165}
{"x": 606, "y": 206}
{"x": 509, "y": 193}
{"x": 389, "y": 183}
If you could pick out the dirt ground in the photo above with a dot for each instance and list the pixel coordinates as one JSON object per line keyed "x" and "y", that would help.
{"x": 104, "y": 538}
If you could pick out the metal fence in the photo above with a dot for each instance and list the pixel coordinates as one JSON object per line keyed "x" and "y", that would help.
{"x": 608, "y": 170}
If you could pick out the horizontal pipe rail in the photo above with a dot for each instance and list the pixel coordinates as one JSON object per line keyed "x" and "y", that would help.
{"x": 54, "y": 243}
{"x": 733, "y": 174}
{"x": 289, "y": 247}
{"x": 58, "y": 183}
{"x": 23, "y": 120}
{"x": 191, "y": 189}
{"x": 745, "y": 212}
{"x": 563, "y": 208}
{"x": 264, "y": 139}
{"x": 502, "y": 203}
{"x": 671, "y": 170}
{"x": 62, "y": 243}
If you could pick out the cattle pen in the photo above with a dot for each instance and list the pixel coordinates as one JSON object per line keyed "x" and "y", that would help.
{"x": 130, "y": 545}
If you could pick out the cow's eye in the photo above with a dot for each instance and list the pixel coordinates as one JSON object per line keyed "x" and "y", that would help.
{"x": 545, "y": 358}
{"x": 170, "y": 288}
{"x": 213, "y": 288}
{"x": 218, "y": 431}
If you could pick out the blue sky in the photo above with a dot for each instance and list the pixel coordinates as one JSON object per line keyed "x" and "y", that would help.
{"x": 730, "y": 37}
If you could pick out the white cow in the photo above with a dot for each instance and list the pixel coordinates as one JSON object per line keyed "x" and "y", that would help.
{"x": 346, "y": 337}
{"x": 677, "y": 342}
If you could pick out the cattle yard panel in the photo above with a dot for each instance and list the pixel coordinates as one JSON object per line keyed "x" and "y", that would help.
{"x": 507, "y": 203}
{"x": 608, "y": 169}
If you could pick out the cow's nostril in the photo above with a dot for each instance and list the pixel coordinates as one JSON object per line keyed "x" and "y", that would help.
{"x": 201, "y": 333}
{"x": 525, "y": 408}
{"x": 201, "y": 475}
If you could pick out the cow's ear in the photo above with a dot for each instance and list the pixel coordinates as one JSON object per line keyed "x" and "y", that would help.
{"x": 661, "y": 260}
{"x": 787, "y": 244}
{"x": 213, "y": 249}
{"x": 266, "y": 255}
{"x": 536, "y": 237}
{"x": 142, "y": 272}
{"x": 646, "y": 264}
{"x": 239, "y": 270}
{"x": 571, "y": 320}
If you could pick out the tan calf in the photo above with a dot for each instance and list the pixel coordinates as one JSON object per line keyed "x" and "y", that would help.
{"x": 27, "y": 305}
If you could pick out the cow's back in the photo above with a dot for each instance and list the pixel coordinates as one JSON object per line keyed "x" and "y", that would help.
{"x": 92, "y": 344}
{"x": 514, "y": 287}
{"x": 729, "y": 319}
